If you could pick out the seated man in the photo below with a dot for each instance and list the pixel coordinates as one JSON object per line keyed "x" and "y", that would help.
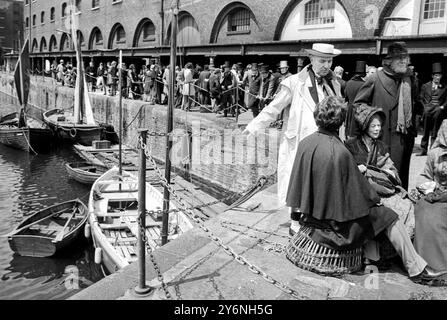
{"x": 337, "y": 201}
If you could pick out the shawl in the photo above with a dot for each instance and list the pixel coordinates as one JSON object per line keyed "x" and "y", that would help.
{"x": 326, "y": 183}
{"x": 404, "y": 105}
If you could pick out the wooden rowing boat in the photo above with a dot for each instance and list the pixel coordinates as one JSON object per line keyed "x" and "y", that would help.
{"x": 113, "y": 219}
{"x": 48, "y": 231}
{"x": 85, "y": 172}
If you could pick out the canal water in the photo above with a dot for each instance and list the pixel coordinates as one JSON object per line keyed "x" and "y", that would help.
{"x": 28, "y": 183}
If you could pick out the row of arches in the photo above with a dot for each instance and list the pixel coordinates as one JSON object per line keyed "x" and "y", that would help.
{"x": 235, "y": 18}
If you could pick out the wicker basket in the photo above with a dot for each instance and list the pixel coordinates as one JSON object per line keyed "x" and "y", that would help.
{"x": 309, "y": 255}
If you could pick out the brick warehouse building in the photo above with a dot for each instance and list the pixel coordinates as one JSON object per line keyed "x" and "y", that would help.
{"x": 246, "y": 31}
{"x": 11, "y": 23}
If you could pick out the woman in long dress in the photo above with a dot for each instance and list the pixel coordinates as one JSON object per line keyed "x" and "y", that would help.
{"x": 431, "y": 212}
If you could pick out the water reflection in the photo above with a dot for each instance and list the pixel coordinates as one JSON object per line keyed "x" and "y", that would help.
{"x": 29, "y": 183}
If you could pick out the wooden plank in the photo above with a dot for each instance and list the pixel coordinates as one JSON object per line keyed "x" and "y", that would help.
{"x": 105, "y": 227}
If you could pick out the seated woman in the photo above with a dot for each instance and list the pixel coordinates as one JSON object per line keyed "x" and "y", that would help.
{"x": 336, "y": 200}
{"x": 430, "y": 212}
{"x": 372, "y": 153}
{"x": 366, "y": 148}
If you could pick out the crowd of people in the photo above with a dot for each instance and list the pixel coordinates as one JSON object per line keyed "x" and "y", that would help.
{"x": 225, "y": 89}
{"x": 346, "y": 150}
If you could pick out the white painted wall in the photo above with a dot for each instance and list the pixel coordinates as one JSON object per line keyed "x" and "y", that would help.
{"x": 413, "y": 9}
{"x": 294, "y": 28}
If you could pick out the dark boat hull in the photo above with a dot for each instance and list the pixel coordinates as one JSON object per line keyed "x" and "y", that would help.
{"x": 69, "y": 132}
{"x": 15, "y": 138}
{"x": 25, "y": 138}
{"x": 42, "y": 241}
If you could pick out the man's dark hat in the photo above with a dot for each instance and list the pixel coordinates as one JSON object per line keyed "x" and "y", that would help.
{"x": 364, "y": 113}
{"x": 397, "y": 49}
{"x": 264, "y": 67}
{"x": 360, "y": 67}
{"x": 227, "y": 64}
{"x": 436, "y": 67}
{"x": 254, "y": 65}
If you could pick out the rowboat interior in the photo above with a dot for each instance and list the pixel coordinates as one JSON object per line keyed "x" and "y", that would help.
{"x": 56, "y": 227}
{"x": 116, "y": 210}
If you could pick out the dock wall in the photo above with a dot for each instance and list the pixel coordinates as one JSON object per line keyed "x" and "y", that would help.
{"x": 220, "y": 157}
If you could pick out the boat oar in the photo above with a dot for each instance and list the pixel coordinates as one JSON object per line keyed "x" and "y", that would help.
{"x": 13, "y": 232}
{"x": 60, "y": 235}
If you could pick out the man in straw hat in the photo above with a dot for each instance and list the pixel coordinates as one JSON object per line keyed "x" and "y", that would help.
{"x": 298, "y": 96}
{"x": 433, "y": 96}
{"x": 393, "y": 89}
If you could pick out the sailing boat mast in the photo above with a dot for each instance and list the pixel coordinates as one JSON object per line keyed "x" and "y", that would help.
{"x": 22, "y": 93}
{"x": 172, "y": 64}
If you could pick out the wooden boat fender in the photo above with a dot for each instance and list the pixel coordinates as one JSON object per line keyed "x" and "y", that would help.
{"x": 98, "y": 255}
{"x": 87, "y": 231}
{"x": 73, "y": 132}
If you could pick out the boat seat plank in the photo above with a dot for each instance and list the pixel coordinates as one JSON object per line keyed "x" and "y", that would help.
{"x": 105, "y": 227}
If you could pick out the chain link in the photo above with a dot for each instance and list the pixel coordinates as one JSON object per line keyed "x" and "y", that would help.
{"x": 152, "y": 258}
{"x": 240, "y": 259}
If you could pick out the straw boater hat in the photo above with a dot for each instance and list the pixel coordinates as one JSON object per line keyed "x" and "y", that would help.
{"x": 323, "y": 50}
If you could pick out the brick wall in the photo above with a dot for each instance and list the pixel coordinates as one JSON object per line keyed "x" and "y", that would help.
{"x": 268, "y": 16}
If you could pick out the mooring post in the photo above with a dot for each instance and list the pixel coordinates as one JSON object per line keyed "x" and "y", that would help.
{"x": 142, "y": 288}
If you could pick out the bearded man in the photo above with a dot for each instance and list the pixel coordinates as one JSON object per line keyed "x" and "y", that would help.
{"x": 298, "y": 96}
{"x": 394, "y": 90}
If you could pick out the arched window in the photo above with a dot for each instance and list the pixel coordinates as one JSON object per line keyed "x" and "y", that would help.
{"x": 319, "y": 12}
{"x": 53, "y": 44}
{"x": 42, "y": 17}
{"x": 52, "y": 14}
{"x": 239, "y": 20}
{"x": 434, "y": 9}
{"x": 26, "y": 22}
{"x": 64, "y": 10}
{"x": 95, "y": 3}
{"x": 96, "y": 39}
{"x": 65, "y": 43}
{"x": 35, "y": 46}
{"x": 34, "y": 20}
{"x": 81, "y": 38}
{"x": 43, "y": 45}
{"x": 145, "y": 33}
{"x": 188, "y": 31}
{"x": 117, "y": 37}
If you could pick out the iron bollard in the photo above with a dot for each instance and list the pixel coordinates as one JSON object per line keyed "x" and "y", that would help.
{"x": 142, "y": 289}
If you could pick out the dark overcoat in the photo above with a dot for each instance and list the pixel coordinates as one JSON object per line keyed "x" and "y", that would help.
{"x": 381, "y": 90}
{"x": 351, "y": 89}
{"x": 334, "y": 197}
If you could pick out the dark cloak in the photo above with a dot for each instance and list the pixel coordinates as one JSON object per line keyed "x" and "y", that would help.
{"x": 334, "y": 197}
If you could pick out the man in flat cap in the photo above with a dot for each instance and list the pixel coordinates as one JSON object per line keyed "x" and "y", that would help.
{"x": 298, "y": 97}
{"x": 393, "y": 89}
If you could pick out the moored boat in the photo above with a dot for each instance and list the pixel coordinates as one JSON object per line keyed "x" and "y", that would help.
{"x": 48, "y": 231}
{"x": 113, "y": 219}
{"x": 33, "y": 137}
{"x": 85, "y": 172}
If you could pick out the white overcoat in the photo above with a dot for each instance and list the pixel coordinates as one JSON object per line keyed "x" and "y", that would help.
{"x": 298, "y": 121}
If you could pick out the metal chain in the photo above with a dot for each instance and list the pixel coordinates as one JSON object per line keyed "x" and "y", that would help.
{"x": 271, "y": 233}
{"x": 274, "y": 246}
{"x": 197, "y": 207}
{"x": 240, "y": 259}
{"x": 154, "y": 262}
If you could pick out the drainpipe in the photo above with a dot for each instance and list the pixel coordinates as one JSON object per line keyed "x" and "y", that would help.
{"x": 162, "y": 25}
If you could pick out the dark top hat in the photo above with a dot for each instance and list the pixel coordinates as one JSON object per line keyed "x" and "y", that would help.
{"x": 264, "y": 67}
{"x": 436, "y": 67}
{"x": 226, "y": 64}
{"x": 254, "y": 65}
{"x": 360, "y": 67}
{"x": 396, "y": 50}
